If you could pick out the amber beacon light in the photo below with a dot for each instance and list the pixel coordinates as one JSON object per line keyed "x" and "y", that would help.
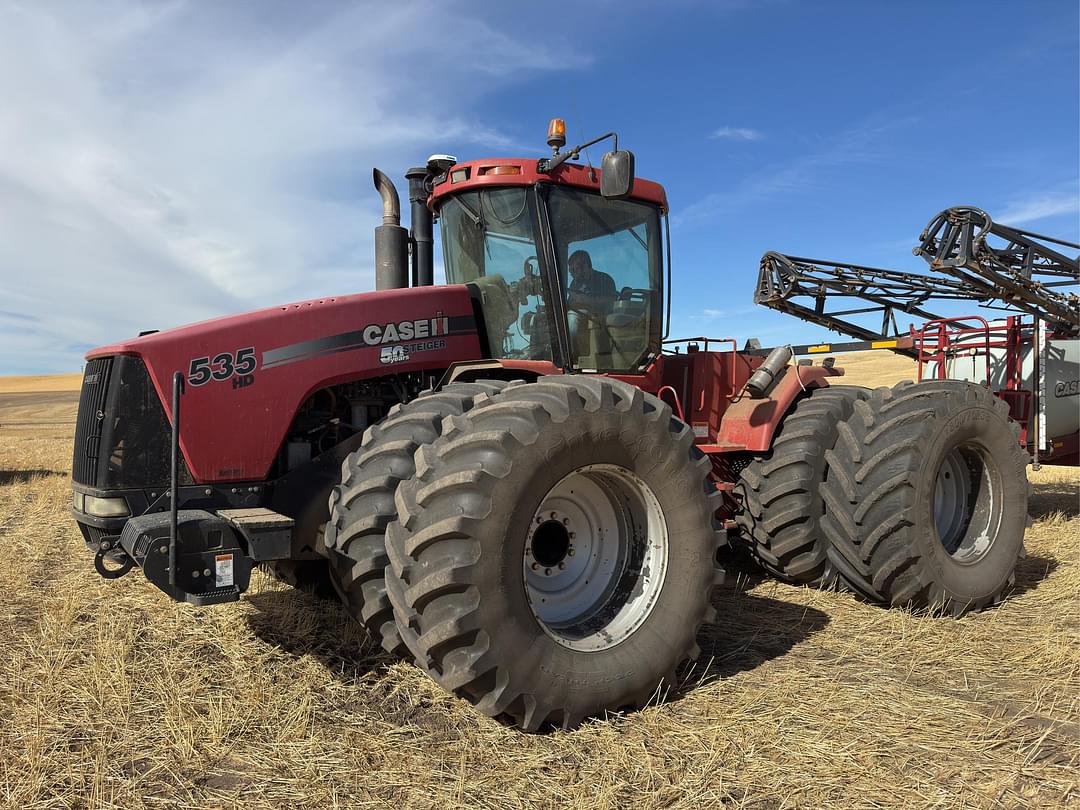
{"x": 556, "y": 138}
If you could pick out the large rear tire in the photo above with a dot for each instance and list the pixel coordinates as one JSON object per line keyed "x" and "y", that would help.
{"x": 555, "y": 554}
{"x": 927, "y": 497}
{"x": 362, "y": 506}
{"x": 780, "y": 492}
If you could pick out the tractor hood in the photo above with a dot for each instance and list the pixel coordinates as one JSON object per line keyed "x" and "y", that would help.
{"x": 246, "y": 375}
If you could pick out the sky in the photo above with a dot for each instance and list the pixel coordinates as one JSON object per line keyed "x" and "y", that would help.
{"x": 167, "y": 162}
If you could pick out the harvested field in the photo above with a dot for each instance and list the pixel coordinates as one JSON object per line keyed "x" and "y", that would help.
{"x": 111, "y": 695}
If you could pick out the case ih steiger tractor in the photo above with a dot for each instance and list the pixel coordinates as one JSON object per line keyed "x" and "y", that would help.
{"x": 511, "y": 478}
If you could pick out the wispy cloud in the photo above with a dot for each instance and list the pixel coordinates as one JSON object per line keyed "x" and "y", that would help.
{"x": 1040, "y": 205}
{"x": 712, "y": 314}
{"x": 736, "y": 134}
{"x": 863, "y": 143}
{"x": 168, "y": 162}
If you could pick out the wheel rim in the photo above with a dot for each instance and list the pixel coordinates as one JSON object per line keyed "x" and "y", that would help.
{"x": 595, "y": 557}
{"x": 967, "y": 503}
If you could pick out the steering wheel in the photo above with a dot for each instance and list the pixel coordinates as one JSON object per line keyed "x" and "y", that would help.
{"x": 530, "y": 280}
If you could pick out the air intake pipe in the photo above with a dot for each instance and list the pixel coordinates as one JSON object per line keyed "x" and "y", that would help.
{"x": 423, "y": 227}
{"x": 391, "y": 240}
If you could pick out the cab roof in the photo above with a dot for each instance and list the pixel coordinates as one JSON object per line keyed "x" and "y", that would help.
{"x": 491, "y": 172}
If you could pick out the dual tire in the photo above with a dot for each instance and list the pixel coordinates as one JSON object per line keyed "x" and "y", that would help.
{"x": 362, "y": 505}
{"x": 545, "y": 551}
{"x": 781, "y": 504}
{"x": 554, "y": 555}
{"x": 926, "y": 500}
{"x": 912, "y": 496}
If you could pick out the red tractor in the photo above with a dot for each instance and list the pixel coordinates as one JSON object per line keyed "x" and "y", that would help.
{"x": 515, "y": 479}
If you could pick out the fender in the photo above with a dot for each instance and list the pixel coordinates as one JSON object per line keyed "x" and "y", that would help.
{"x": 749, "y": 424}
{"x": 472, "y": 370}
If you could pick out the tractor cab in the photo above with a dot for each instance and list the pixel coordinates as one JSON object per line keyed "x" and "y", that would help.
{"x": 565, "y": 266}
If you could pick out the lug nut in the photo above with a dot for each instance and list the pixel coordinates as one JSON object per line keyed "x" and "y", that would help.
{"x": 195, "y": 573}
{"x": 547, "y": 572}
{"x": 536, "y": 566}
{"x": 572, "y": 535}
{"x": 553, "y": 515}
{"x": 571, "y": 551}
{"x": 566, "y": 521}
{"x": 206, "y": 572}
{"x": 562, "y": 566}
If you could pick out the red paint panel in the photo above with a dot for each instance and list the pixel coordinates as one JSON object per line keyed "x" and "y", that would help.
{"x": 749, "y": 424}
{"x": 233, "y": 433}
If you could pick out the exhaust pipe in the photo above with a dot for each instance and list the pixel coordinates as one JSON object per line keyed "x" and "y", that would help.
{"x": 391, "y": 240}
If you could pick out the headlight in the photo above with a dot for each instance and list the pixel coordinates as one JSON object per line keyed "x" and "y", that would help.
{"x": 106, "y": 507}
{"x": 77, "y": 502}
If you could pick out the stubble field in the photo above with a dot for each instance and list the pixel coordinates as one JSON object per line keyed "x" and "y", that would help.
{"x": 111, "y": 695}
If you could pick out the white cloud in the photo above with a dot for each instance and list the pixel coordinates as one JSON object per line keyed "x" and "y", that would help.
{"x": 737, "y": 134}
{"x": 1039, "y": 206}
{"x": 161, "y": 163}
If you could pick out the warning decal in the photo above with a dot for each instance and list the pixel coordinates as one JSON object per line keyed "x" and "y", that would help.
{"x": 223, "y": 570}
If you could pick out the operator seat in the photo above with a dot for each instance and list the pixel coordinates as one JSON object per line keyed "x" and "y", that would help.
{"x": 627, "y": 326}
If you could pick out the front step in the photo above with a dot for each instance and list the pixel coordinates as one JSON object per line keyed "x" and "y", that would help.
{"x": 269, "y": 534}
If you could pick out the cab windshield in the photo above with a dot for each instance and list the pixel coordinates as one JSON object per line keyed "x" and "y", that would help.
{"x": 607, "y": 273}
{"x": 489, "y": 243}
{"x": 610, "y": 265}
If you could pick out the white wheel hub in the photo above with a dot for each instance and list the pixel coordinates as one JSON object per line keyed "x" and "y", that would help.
{"x": 595, "y": 557}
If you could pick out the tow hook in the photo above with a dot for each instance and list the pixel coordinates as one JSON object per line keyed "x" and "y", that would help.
{"x": 107, "y": 545}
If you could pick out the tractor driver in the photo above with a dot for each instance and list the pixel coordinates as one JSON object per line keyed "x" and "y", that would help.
{"x": 591, "y": 294}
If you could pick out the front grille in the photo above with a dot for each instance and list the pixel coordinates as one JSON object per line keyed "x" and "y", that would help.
{"x": 136, "y": 439}
{"x": 122, "y": 437}
{"x": 84, "y": 464}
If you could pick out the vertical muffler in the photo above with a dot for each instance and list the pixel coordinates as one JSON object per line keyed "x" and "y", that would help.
{"x": 391, "y": 240}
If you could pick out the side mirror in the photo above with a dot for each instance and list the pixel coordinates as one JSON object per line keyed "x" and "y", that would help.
{"x": 617, "y": 175}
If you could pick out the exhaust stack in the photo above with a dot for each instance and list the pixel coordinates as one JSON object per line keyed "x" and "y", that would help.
{"x": 391, "y": 240}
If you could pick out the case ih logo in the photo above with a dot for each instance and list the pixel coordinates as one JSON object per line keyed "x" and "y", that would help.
{"x": 1067, "y": 389}
{"x": 411, "y": 336}
{"x": 376, "y": 334}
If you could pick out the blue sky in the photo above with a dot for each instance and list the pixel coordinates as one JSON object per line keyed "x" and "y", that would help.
{"x": 163, "y": 163}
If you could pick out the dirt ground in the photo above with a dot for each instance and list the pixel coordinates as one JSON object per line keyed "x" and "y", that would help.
{"x": 112, "y": 696}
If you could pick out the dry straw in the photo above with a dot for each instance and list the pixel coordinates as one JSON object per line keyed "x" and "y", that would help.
{"x": 110, "y": 695}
